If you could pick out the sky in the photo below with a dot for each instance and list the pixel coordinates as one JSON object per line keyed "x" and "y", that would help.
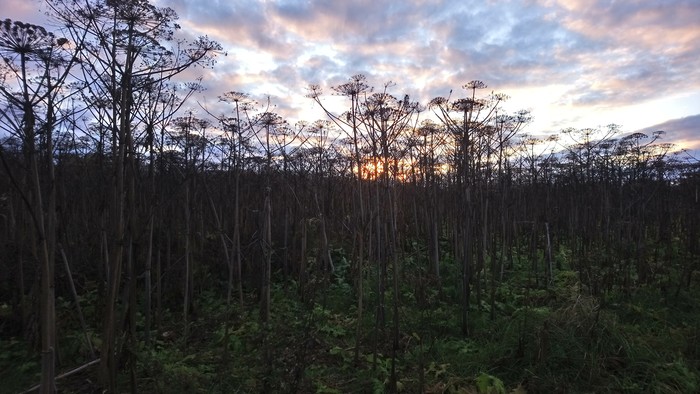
{"x": 572, "y": 63}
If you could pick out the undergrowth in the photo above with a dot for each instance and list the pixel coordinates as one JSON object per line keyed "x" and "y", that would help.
{"x": 542, "y": 339}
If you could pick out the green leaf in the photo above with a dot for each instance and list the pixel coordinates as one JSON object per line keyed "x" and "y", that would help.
{"x": 488, "y": 384}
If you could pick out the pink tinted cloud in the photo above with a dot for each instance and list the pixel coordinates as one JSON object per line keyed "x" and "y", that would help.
{"x": 28, "y": 11}
{"x": 642, "y": 48}
{"x": 610, "y": 53}
{"x": 685, "y": 132}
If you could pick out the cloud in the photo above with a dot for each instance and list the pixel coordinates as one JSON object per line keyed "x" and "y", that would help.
{"x": 639, "y": 49}
{"x": 27, "y": 11}
{"x": 685, "y": 132}
{"x": 588, "y": 55}
{"x": 605, "y": 48}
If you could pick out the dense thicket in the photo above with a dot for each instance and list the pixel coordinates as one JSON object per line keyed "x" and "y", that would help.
{"x": 114, "y": 200}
